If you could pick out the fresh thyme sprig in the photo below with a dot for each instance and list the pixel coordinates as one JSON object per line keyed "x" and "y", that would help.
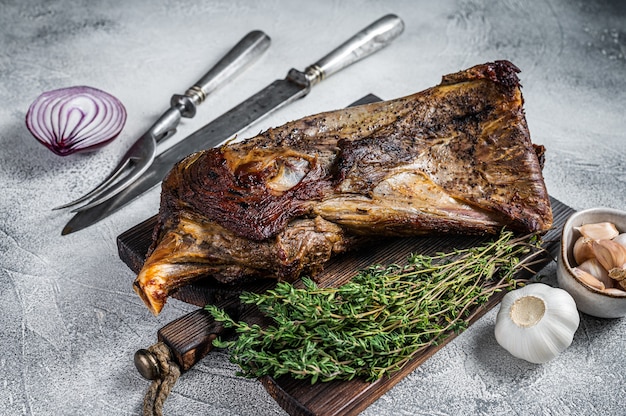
{"x": 377, "y": 322}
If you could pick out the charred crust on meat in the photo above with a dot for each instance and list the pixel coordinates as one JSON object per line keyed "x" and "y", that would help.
{"x": 455, "y": 158}
{"x": 501, "y": 72}
{"x": 241, "y": 201}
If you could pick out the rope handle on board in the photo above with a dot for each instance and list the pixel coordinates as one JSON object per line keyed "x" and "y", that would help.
{"x": 156, "y": 363}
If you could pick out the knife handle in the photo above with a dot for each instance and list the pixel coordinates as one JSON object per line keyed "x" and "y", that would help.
{"x": 369, "y": 40}
{"x": 249, "y": 48}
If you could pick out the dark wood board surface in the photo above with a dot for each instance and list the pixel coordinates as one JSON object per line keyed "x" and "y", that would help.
{"x": 299, "y": 397}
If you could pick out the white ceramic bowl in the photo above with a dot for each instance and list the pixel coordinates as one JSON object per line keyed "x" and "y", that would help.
{"x": 588, "y": 300}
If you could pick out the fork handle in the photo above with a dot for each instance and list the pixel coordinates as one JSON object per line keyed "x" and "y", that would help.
{"x": 237, "y": 59}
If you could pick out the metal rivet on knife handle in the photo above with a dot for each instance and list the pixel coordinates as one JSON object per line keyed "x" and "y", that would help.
{"x": 242, "y": 55}
{"x": 369, "y": 40}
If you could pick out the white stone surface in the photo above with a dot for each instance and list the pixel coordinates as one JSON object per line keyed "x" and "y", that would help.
{"x": 69, "y": 320}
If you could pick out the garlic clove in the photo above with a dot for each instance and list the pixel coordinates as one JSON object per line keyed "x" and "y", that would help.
{"x": 618, "y": 274}
{"x": 621, "y": 239}
{"x": 598, "y": 231}
{"x": 615, "y": 291}
{"x": 609, "y": 253}
{"x": 594, "y": 268}
{"x": 588, "y": 279}
{"x": 583, "y": 250}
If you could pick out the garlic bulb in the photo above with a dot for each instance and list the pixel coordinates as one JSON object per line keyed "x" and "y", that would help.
{"x": 537, "y": 322}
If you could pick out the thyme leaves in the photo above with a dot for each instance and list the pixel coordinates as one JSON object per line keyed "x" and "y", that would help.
{"x": 380, "y": 320}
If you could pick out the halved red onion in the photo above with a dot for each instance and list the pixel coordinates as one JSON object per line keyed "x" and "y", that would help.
{"x": 75, "y": 119}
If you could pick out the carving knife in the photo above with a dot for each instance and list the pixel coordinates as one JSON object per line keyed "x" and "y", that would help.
{"x": 278, "y": 94}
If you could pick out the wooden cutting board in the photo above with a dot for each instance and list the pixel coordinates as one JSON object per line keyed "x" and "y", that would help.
{"x": 190, "y": 336}
{"x": 299, "y": 397}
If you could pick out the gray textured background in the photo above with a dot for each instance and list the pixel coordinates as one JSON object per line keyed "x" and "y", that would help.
{"x": 69, "y": 320}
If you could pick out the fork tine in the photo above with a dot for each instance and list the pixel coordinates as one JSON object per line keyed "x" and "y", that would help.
{"x": 119, "y": 186}
{"x": 98, "y": 189}
{"x": 140, "y": 153}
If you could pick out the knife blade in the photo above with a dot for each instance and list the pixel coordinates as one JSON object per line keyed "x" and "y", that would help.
{"x": 278, "y": 94}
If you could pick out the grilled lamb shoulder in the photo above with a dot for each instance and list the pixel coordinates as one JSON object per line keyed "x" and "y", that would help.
{"x": 455, "y": 158}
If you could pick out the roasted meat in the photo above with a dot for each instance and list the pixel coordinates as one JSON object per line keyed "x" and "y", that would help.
{"x": 455, "y": 158}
